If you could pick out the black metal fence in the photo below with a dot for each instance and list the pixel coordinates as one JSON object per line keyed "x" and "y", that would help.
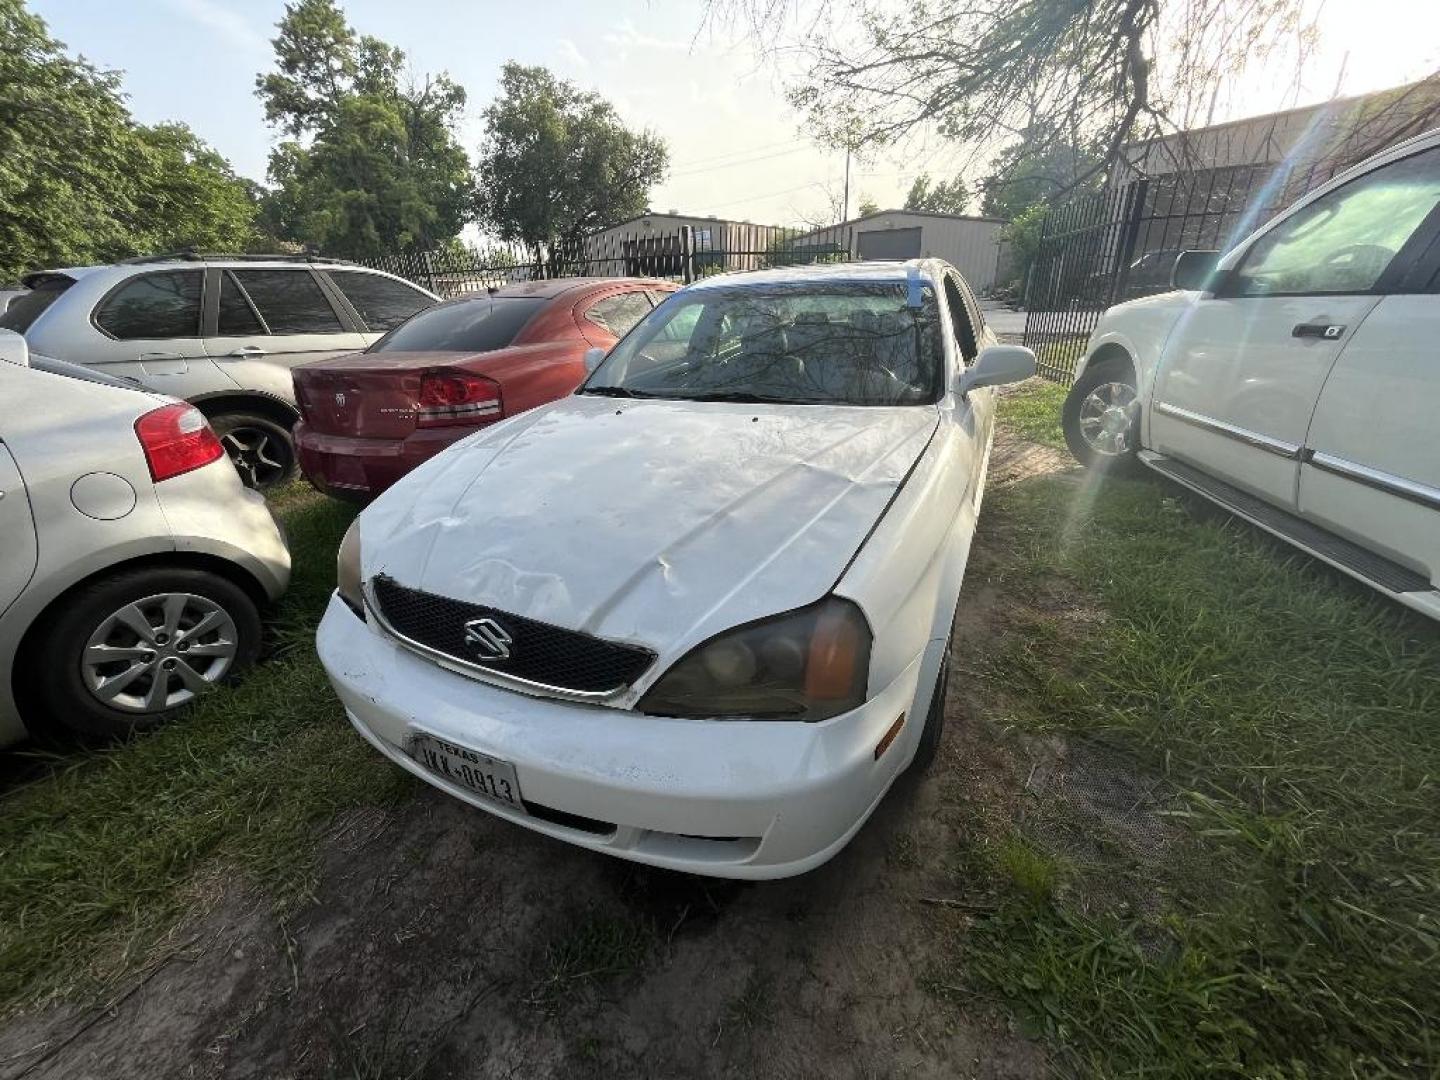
{"x": 682, "y": 254}
{"x": 1101, "y": 249}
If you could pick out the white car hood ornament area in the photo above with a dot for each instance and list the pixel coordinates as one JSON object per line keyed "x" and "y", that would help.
{"x": 649, "y": 522}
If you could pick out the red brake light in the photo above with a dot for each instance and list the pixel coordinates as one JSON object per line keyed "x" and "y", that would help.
{"x": 176, "y": 439}
{"x": 458, "y": 397}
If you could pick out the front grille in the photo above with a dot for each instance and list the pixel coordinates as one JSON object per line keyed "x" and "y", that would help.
{"x": 540, "y": 653}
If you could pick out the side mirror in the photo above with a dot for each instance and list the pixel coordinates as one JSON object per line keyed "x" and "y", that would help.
{"x": 997, "y": 365}
{"x": 1194, "y": 270}
{"x": 593, "y": 356}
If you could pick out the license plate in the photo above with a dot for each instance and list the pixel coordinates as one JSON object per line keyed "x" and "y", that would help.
{"x": 480, "y": 773}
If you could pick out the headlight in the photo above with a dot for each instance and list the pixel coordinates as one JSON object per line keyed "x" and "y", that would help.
{"x": 808, "y": 664}
{"x": 347, "y": 570}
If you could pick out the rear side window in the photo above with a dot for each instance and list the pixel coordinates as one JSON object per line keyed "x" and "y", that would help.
{"x": 24, "y": 310}
{"x": 479, "y": 325}
{"x": 617, "y": 314}
{"x": 381, "y": 302}
{"x": 161, "y": 305}
{"x": 237, "y": 315}
{"x": 290, "y": 301}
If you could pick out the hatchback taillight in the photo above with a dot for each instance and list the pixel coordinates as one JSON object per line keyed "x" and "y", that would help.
{"x": 457, "y": 397}
{"x": 176, "y": 439}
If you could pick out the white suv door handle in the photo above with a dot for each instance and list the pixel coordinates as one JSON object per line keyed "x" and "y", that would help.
{"x": 250, "y": 350}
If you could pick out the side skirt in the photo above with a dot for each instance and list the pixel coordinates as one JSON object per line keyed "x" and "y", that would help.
{"x": 1374, "y": 570}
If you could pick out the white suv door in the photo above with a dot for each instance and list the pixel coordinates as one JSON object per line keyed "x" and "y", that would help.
{"x": 1243, "y": 370}
{"x": 1372, "y": 459}
{"x": 268, "y": 319}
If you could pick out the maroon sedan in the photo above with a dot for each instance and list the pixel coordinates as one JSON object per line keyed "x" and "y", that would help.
{"x": 369, "y": 418}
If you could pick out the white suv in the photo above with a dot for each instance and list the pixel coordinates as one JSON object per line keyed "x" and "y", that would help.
{"x": 220, "y": 331}
{"x": 1296, "y": 382}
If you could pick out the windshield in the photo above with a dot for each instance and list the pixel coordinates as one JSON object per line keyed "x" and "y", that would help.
{"x": 475, "y": 325}
{"x": 823, "y": 343}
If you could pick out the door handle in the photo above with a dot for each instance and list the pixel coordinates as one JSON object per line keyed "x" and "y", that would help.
{"x": 1327, "y": 331}
{"x": 250, "y": 351}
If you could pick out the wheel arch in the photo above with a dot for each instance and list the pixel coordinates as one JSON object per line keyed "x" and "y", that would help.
{"x": 223, "y": 402}
{"x": 20, "y": 690}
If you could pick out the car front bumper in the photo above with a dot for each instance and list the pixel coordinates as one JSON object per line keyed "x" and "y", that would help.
{"x": 736, "y": 799}
{"x": 347, "y": 467}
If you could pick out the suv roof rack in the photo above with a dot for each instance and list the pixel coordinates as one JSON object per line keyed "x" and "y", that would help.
{"x": 190, "y": 255}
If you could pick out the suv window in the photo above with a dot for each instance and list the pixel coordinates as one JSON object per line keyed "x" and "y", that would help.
{"x": 290, "y": 301}
{"x": 161, "y": 305}
{"x": 383, "y": 303}
{"x": 24, "y": 310}
{"x": 237, "y": 315}
{"x": 617, "y": 314}
{"x": 1343, "y": 242}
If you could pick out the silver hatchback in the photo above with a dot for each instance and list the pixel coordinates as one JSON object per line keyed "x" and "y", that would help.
{"x": 221, "y": 332}
{"x": 132, "y": 562}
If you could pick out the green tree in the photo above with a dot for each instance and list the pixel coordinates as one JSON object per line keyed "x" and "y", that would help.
{"x": 80, "y": 182}
{"x": 944, "y": 197}
{"x": 557, "y": 162}
{"x": 868, "y": 206}
{"x": 1035, "y": 169}
{"x": 370, "y": 165}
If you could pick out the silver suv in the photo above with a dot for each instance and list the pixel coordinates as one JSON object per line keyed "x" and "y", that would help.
{"x": 221, "y": 332}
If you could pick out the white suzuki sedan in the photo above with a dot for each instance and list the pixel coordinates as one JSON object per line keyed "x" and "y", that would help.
{"x": 1296, "y": 383}
{"x": 695, "y": 615}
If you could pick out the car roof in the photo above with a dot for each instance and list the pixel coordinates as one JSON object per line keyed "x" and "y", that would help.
{"x": 556, "y": 286}
{"x": 866, "y": 271}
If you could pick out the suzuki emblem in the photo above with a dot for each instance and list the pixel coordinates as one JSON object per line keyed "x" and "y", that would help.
{"x": 340, "y": 398}
{"x": 489, "y": 639}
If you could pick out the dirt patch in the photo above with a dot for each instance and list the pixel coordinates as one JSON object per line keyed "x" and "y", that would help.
{"x": 1014, "y": 459}
{"x": 444, "y": 943}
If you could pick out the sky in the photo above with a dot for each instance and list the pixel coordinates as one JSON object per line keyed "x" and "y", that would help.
{"x": 737, "y": 148}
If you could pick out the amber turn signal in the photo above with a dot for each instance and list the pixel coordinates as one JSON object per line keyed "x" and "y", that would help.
{"x": 889, "y": 736}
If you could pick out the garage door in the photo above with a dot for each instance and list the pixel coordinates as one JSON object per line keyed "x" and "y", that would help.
{"x": 890, "y": 244}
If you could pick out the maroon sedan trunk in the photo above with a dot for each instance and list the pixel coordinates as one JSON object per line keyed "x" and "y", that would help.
{"x": 369, "y": 418}
{"x": 360, "y": 430}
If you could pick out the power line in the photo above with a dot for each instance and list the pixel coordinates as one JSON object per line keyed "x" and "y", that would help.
{"x": 735, "y": 153}
{"x": 766, "y": 195}
{"x": 733, "y": 164}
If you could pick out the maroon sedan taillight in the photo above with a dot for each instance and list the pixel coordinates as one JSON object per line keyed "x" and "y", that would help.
{"x": 457, "y": 397}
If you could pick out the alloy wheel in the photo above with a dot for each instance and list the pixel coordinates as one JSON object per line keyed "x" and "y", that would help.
{"x": 158, "y": 653}
{"x": 1107, "y": 418}
{"x": 254, "y": 455}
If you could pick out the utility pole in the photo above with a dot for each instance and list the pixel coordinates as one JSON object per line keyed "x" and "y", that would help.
{"x": 845, "y": 208}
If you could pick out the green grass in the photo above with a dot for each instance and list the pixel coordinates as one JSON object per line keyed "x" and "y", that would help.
{"x": 1032, "y": 411}
{"x": 1293, "y": 720}
{"x": 593, "y": 947}
{"x": 104, "y": 849}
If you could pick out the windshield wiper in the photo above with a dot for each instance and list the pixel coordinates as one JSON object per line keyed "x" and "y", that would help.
{"x": 749, "y": 398}
{"x": 616, "y": 391}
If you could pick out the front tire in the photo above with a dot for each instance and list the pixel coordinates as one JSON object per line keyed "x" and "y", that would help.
{"x": 129, "y": 650}
{"x": 261, "y": 450}
{"x": 1101, "y": 417}
{"x": 934, "y": 729}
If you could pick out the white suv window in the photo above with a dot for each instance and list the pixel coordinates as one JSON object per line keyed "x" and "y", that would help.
{"x": 382, "y": 302}
{"x": 151, "y": 306}
{"x": 290, "y": 301}
{"x": 1343, "y": 241}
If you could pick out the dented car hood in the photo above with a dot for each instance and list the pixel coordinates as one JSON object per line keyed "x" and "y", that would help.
{"x": 652, "y": 522}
